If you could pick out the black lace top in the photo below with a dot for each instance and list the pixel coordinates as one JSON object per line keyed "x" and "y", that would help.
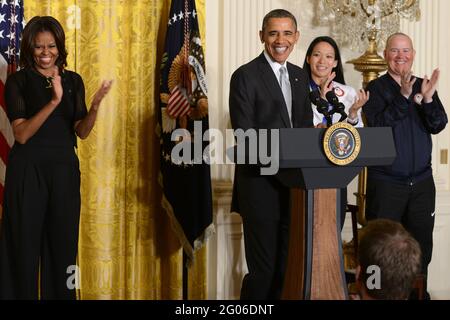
{"x": 27, "y": 91}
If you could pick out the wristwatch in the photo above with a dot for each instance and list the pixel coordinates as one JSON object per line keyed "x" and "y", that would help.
{"x": 418, "y": 98}
{"x": 353, "y": 122}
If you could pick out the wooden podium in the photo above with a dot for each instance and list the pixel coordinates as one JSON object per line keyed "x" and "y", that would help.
{"x": 315, "y": 269}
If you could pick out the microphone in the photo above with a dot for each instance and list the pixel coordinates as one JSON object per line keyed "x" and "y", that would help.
{"x": 338, "y": 107}
{"x": 321, "y": 104}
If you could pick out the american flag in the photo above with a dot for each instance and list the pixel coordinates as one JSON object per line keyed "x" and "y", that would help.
{"x": 11, "y": 26}
{"x": 178, "y": 105}
{"x": 183, "y": 101}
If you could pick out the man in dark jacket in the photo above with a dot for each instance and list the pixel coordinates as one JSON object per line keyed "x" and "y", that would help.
{"x": 405, "y": 190}
{"x": 267, "y": 93}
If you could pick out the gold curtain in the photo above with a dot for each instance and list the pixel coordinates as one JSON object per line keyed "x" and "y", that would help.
{"x": 127, "y": 249}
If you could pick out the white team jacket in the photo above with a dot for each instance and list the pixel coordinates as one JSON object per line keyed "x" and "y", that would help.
{"x": 347, "y": 95}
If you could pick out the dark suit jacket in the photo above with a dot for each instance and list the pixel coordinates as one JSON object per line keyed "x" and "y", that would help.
{"x": 256, "y": 101}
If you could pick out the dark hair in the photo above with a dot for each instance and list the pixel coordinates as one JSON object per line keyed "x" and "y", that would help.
{"x": 337, "y": 56}
{"x": 278, "y": 13}
{"x": 386, "y": 244}
{"x": 41, "y": 24}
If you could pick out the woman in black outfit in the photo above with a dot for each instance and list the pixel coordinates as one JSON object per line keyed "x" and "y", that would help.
{"x": 47, "y": 109}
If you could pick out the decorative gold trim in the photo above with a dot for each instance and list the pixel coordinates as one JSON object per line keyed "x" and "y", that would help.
{"x": 326, "y": 140}
{"x": 370, "y": 64}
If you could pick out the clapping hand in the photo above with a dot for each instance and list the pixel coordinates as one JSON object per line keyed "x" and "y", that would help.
{"x": 406, "y": 82}
{"x": 326, "y": 86}
{"x": 101, "y": 93}
{"x": 57, "y": 90}
{"x": 360, "y": 100}
{"x": 429, "y": 86}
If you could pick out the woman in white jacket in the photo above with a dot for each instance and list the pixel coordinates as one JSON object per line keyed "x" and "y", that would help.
{"x": 324, "y": 66}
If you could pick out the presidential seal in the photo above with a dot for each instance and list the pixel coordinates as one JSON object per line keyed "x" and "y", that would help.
{"x": 341, "y": 143}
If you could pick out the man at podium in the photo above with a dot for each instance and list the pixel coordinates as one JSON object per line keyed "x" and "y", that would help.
{"x": 267, "y": 93}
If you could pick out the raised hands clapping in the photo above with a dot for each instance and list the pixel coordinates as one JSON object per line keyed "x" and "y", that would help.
{"x": 101, "y": 93}
{"x": 361, "y": 99}
{"x": 428, "y": 87}
{"x": 407, "y": 81}
{"x": 57, "y": 90}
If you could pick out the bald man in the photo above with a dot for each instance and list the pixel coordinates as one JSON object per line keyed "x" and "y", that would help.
{"x": 405, "y": 191}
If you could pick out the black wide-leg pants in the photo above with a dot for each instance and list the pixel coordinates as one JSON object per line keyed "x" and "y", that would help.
{"x": 39, "y": 233}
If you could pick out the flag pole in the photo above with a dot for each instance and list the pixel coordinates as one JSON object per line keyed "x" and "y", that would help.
{"x": 185, "y": 277}
{"x": 187, "y": 82}
{"x": 183, "y": 100}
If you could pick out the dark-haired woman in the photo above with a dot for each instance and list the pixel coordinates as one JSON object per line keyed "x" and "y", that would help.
{"x": 47, "y": 109}
{"x": 324, "y": 66}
